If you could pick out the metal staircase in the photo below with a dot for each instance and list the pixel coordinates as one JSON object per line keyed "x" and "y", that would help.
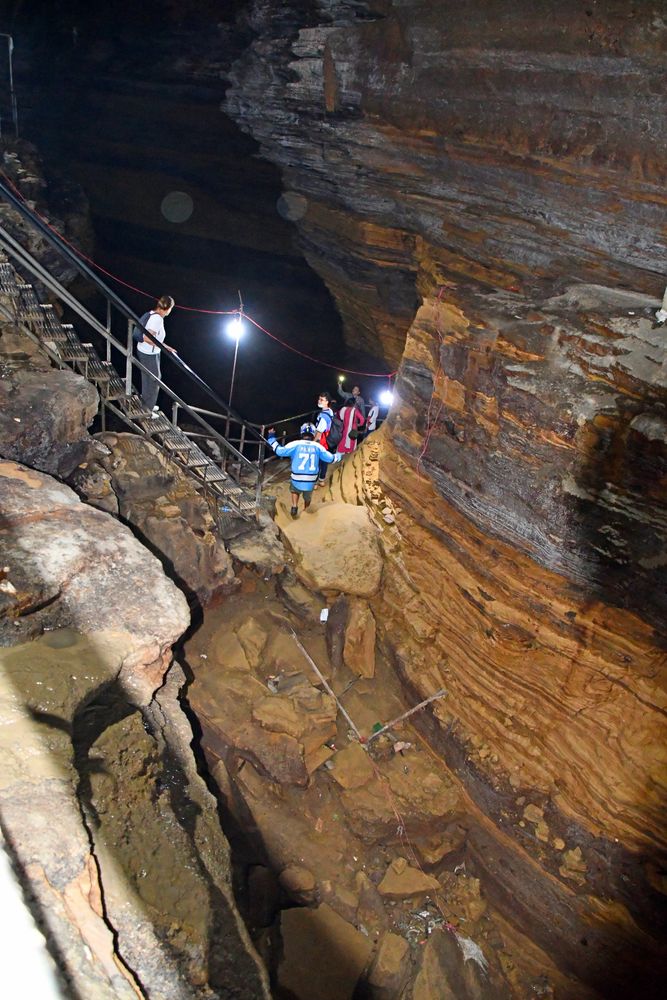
{"x": 233, "y": 487}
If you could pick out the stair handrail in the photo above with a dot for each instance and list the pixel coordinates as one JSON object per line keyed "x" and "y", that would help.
{"x": 59, "y": 244}
{"x": 40, "y": 272}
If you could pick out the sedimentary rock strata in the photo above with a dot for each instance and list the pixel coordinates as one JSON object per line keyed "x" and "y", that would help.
{"x": 484, "y": 194}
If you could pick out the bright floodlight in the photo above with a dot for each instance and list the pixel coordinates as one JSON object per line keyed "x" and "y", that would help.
{"x": 386, "y": 397}
{"x": 235, "y": 328}
{"x": 341, "y": 378}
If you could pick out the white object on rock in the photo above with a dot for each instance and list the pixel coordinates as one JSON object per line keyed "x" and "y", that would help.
{"x": 472, "y": 951}
{"x": 324, "y": 615}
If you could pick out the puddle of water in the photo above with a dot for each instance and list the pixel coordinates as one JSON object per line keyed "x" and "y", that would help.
{"x": 61, "y": 638}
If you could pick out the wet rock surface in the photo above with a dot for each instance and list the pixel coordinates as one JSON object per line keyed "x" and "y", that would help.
{"x": 492, "y": 861}
{"x": 110, "y": 826}
{"x": 337, "y": 831}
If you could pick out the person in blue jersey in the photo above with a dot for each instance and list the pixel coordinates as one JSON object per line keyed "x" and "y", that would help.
{"x": 306, "y": 457}
{"x": 322, "y": 428}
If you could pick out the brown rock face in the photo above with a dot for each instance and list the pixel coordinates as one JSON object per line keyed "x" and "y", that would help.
{"x": 44, "y": 413}
{"x": 493, "y": 163}
{"x": 499, "y": 145}
{"x": 401, "y": 880}
{"x": 163, "y": 506}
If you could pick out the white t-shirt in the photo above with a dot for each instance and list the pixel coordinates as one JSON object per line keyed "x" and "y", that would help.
{"x": 372, "y": 419}
{"x": 154, "y": 325}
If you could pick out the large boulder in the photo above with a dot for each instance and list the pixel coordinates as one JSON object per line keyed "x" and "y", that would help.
{"x": 162, "y": 504}
{"x": 336, "y": 550}
{"x": 44, "y": 412}
{"x": 106, "y": 818}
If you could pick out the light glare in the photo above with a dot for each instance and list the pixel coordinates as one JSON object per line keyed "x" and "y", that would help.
{"x": 235, "y": 328}
{"x": 386, "y": 397}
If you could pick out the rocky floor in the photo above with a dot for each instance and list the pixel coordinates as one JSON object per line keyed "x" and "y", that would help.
{"x": 369, "y": 837}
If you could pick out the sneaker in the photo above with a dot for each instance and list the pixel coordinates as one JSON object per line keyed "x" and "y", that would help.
{"x": 294, "y": 511}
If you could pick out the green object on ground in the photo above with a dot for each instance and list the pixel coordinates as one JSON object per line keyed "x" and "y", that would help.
{"x": 377, "y": 727}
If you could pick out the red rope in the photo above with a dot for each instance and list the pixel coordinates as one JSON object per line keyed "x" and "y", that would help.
{"x": 325, "y": 364}
{"x": 209, "y": 312}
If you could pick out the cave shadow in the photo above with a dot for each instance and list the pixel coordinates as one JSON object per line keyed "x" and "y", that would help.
{"x": 194, "y": 604}
{"x": 246, "y": 843}
{"x": 622, "y": 538}
{"x": 618, "y": 545}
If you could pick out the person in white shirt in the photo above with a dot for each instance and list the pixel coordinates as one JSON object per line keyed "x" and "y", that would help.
{"x": 149, "y": 354}
{"x": 372, "y": 418}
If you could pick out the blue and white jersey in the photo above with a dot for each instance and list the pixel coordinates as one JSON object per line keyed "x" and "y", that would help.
{"x": 306, "y": 457}
{"x": 324, "y": 421}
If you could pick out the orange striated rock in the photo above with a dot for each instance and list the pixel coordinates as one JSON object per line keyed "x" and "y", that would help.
{"x": 485, "y": 202}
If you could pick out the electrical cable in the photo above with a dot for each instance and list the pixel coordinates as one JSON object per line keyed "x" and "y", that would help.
{"x": 193, "y": 309}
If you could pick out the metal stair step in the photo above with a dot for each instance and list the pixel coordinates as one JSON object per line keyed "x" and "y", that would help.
{"x": 54, "y": 335}
{"x": 69, "y": 352}
{"x": 43, "y": 323}
{"x": 211, "y": 474}
{"x": 134, "y": 406}
{"x": 196, "y": 463}
{"x": 157, "y": 425}
{"x": 175, "y": 442}
{"x": 199, "y": 454}
{"x": 114, "y": 388}
{"x": 96, "y": 371}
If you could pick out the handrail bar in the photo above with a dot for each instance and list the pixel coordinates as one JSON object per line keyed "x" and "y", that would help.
{"x": 249, "y": 423}
{"x": 284, "y": 420}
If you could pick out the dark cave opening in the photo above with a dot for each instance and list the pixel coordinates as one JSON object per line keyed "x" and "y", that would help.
{"x": 137, "y": 133}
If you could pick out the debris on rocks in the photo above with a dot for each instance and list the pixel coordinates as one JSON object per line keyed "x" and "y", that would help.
{"x": 472, "y": 952}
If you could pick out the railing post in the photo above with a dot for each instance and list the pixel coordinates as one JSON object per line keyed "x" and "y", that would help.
{"x": 109, "y": 330}
{"x": 262, "y": 433}
{"x": 241, "y": 446}
{"x": 174, "y": 413}
{"x": 128, "y": 359}
{"x": 260, "y": 478}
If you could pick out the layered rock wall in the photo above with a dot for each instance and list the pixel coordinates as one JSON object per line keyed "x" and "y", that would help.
{"x": 513, "y": 145}
{"x": 505, "y": 168}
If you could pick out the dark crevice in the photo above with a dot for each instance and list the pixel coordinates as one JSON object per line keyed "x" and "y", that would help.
{"x": 89, "y": 722}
